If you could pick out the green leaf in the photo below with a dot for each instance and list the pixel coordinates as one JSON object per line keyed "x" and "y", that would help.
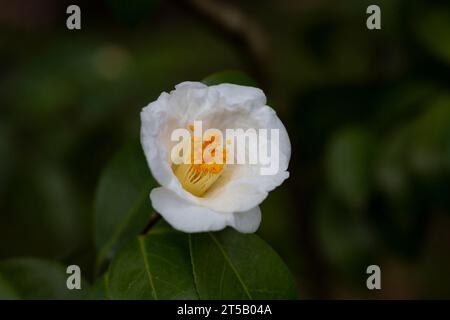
{"x": 232, "y": 265}
{"x": 417, "y": 149}
{"x": 99, "y": 290}
{"x": 429, "y": 138}
{"x": 433, "y": 28}
{"x": 167, "y": 264}
{"x": 155, "y": 266}
{"x": 346, "y": 239}
{"x": 348, "y": 162}
{"x": 29, "y": 278}
{"x": 122, "y": 205}
{"x": 7, "y": 291}
{"x": 230, "y": 76}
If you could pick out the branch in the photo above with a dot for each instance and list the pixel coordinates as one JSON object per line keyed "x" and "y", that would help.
{"x": 231, "y": 20}
{"x": 151, "y": 222}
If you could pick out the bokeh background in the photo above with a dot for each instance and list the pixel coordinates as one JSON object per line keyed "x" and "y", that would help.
{"x": 368, "y": 113}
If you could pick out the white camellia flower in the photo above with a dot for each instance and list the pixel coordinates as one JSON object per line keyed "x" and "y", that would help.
{"x": 233, "y": 196}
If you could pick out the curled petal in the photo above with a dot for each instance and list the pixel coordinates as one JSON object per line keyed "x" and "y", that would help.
{"x": 247, "y": 221}
{"x": 185, "y": 216}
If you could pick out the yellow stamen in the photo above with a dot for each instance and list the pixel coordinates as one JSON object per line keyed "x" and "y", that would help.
{"x": 198, "y": 178}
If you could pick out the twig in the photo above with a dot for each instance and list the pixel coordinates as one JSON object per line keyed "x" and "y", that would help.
{"x": 151, "y": 222}
{"x": 231, "y": 20}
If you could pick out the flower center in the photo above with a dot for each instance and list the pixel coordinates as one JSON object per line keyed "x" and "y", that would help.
{"x": 198, "y": 178}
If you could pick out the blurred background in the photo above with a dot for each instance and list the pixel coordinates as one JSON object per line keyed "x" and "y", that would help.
{"x": 368, "y": 114}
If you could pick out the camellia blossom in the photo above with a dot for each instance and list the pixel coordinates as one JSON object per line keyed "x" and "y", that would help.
{"x": 220, "y": 195}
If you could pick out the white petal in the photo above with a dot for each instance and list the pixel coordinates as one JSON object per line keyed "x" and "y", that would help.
{"x": 235, "y": 94}
{"x": 185, "y": 216}
{"x": 158, "y": 122}
{"x": 244, "y": 187}
{"x": 247, "y": 221}
{"x": 154, "y": 120}
{"x": 223, "y": 106}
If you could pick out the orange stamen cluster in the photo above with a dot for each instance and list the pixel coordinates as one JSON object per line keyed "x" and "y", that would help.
{"x": 197, "y": 178}
{"x": 208, "y": 164}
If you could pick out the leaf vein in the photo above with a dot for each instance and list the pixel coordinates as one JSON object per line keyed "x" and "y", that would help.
{"x": 231, "y": 265}
{"x": 192, "y": 264}
{"x": 147, "y": 267}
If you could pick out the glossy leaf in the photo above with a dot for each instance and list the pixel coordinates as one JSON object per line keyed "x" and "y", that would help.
{"x": 167, "y": 264}
{"x": 99, "y": 290}
{"x": 155, "y": 266}
{"x": 28, "y": 278}
{"x": 122, "y": 205}
{"x": 232, "y": 265}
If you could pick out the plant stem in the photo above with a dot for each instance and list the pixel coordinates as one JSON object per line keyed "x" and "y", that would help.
{"x": 151, "y": 222}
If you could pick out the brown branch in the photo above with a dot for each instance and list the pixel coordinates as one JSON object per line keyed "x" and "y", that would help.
{"x": 231, "y": 20}
{"x": 151, "y": 222}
